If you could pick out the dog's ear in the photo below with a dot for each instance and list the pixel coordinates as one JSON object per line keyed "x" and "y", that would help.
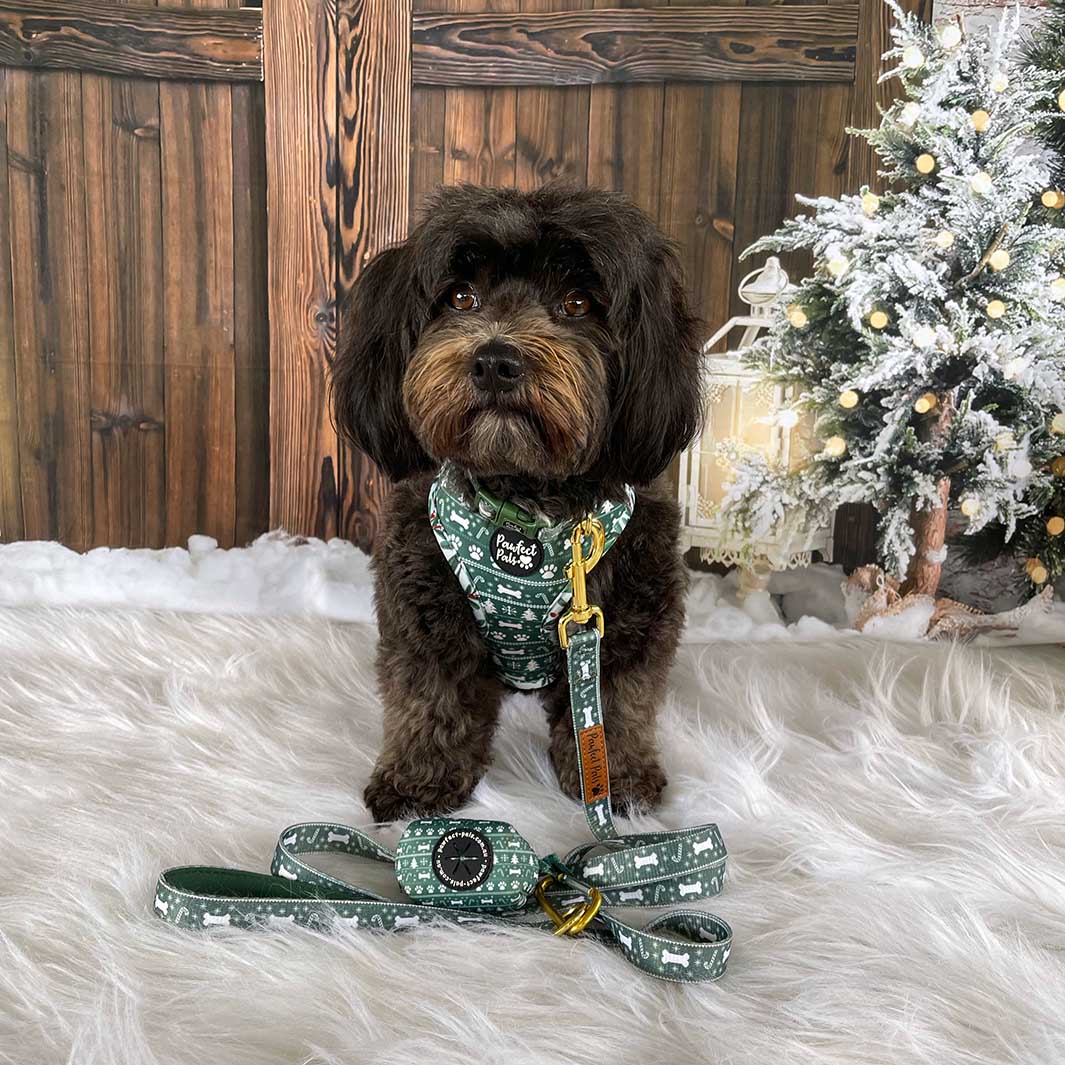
{"x": 379, "y": 324}
{"x": 656, "y": 405}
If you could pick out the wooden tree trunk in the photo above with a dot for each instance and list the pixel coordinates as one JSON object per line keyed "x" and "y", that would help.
{"x": 930, "y": 524}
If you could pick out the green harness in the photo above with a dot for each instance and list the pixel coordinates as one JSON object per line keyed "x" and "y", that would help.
{"x": 483, "y": 872}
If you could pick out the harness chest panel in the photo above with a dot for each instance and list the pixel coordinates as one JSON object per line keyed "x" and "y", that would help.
{"x": 516, "y": 612}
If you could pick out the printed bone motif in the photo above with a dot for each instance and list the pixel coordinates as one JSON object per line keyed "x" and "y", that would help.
{"x": 586, "y": 671}
{"x": 274, "y": 919}
{"x": 338, "y": 837}
{"x": 651, "y": 859}
{"x": 210, "y": 918}
{"x": 691, "y": 889}
{"x": 161, "y": 906}
{"x": 405, "y": 922}
{"x": 600, "y": 814}
{"x": 625, "y": 941}
{"x": 514, "y": 593}
{"x": 460, "y": 520}
{"x": 631, "y": 896}
{"x": 703, "y": 845}
{"x": 289, "y": 840}
{"x": 589, "y": 720}
{"x": 509, "y": 625}
{"x": 469, "y": 920}
{"x": 282, "y": 871}
{"x": 424, "y": 876}
{"x": 594, "y": 870}
{"x": 353, "y": 920}
{"x": 674, "y": 959}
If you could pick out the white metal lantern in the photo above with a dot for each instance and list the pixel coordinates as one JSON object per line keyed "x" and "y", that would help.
{"x": 744, "y": 412}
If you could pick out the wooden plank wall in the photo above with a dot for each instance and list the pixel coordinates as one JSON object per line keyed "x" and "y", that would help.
{"x": 133, "y": 333}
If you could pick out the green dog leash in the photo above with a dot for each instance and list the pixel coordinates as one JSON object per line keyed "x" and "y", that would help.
{"x": 483, "y": 872}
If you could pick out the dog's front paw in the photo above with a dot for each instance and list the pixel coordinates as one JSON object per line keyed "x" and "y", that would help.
{"x": 640, "y": 789}
{"x": 390, "y": 802}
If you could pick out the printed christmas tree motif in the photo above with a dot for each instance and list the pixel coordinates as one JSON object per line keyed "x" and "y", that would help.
{"x": 928, "y": 341}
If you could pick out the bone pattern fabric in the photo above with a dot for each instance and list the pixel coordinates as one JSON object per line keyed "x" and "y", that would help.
{"x": 893, "y": 814}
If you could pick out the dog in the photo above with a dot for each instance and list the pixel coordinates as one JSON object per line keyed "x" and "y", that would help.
{"x": 541, "y": 344}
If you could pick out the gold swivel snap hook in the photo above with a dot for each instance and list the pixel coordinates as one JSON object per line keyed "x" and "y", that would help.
{"x": 580, "y": 612}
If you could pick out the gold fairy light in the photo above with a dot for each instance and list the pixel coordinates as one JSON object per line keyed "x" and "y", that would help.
{"x": 835, "y": 447}
{"x": 995, "y": 309}
{"x": 979, "y": 120}
{"x": 926, "y": 403}
{"x": 999, "y": 260}
{"x": 944, "y": 239}
{"x": 1056, "y": 525}
{"x": 925, "y": 163}
{"x": 848, "y": 399}
{"x": 970, "y": 506}
{"x": 878, "y": 319}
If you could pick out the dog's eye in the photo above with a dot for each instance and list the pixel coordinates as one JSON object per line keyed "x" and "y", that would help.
{"x": 463, "y": 297}
{"x": 576, "y": 304}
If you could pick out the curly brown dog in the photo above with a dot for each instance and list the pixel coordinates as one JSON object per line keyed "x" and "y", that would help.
{"x": 541, "y": 344}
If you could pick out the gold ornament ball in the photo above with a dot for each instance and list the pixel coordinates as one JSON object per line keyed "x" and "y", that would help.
{"x": 1057, "y": 423}
{"x": 1052, "y": 198}
{"x": 1057, "y": 288}
{"x": 878, "y": 319}
{"x": 1056, "y": 526}
{"x": 835, "y": 446}
{"x": 980, "y": 119}
{"x": 925, "y": 403}
{"x": 848, "y": 399}
{"x": 912, "y": 57}
{"x": 925, "y": 163}
{"x": 870, "y": 203}
{"x": 970, "y": 506}
{"x": 950, "y": 35}
{"x": 797, "y": 316}
{"x": 1057, "y": 466}
{"x": 995, "y": 309}
{"x": 981, "y": 182}
{"x": 944, "y": 239}
{"x": 999, "y": 260}
{"x": 1000, "y": 83}
{"x": 909, "y": 114}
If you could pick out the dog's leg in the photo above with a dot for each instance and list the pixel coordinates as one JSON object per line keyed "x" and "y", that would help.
{"x": 438, "y": 734}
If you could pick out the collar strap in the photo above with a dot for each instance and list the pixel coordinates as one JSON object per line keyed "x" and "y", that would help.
{"x": 505, "y": 512}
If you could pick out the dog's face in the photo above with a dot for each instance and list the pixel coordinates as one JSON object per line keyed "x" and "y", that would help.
{"x": 543, "y": 335}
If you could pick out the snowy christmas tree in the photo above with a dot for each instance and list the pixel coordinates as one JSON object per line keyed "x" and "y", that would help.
{"x": 930, "y": 342}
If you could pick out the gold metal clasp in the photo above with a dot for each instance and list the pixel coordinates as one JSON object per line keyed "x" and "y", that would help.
{"x": 577, "y": 918}
{"x": 580, "y": 612}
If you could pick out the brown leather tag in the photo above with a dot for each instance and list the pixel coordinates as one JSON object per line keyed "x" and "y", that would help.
{"x": 596, "y": 776}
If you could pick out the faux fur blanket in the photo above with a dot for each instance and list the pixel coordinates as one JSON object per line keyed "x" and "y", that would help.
{"x": 895, "y": 816}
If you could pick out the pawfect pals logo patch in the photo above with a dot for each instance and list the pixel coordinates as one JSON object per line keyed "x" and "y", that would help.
{"x": 515, "y": 553}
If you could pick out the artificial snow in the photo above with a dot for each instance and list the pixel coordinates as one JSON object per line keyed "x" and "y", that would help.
{"x": 281, "y": 574}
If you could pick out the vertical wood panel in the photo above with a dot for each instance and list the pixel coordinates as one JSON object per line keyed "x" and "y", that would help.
{"x": 49, "y": 276}
{"x": 197, "y": 168}
{"x": 480, "y": 124}
{"x": 11, "y": 524}
{"x": 300, "y": 73}
{"x": 551, "y": 123}
{"x": 373, "y": 44}
{"x": 251, "y": 330}
{"x": 625, "y": 132}
{"x": 426, "y": 132}
{"x": 120, "y": 121}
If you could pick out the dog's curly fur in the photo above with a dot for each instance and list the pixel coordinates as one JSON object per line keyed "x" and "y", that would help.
{"x": 605, "y": 398}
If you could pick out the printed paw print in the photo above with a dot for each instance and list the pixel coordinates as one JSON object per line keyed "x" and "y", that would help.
{"x": 525, "y": 562}
{"x": 476, "y": 553}
{"x": 548, "y": 572}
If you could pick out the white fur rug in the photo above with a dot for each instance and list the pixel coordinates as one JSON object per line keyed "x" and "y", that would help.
{"x": 895, "y": 816}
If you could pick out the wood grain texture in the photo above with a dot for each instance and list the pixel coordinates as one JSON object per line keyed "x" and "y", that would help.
{"x": 251, "y": 333}
{"x": 300, "y": 71}
{"x": 551, "y": 123}
{"x": 199, "y": 350}
{"x": 95, "y": 35}
{"x": 427, "y": 108}
{"x": 123, "y": 220}
{"x": 794, "y": 42}
{"x": 373, "y": 48}
{"x": 49, "y": 270}
{"x": 625, "y": 136}
{"x": 11, "y": 524}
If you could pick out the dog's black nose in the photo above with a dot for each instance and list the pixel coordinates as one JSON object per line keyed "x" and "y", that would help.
{"x": 497, "y": 367}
